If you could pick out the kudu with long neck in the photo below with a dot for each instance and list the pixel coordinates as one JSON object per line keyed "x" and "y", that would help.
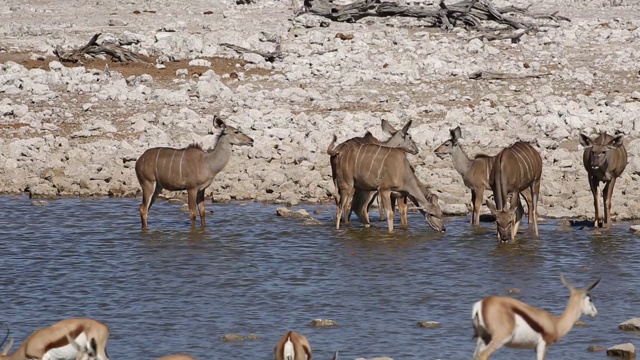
{"x": 371, "y": 167}
{"x": 604, "y": 158}
{"x": 504, "y": 321}
{"x": 191, "y": 169}
{"x": 516, "y": 168}
{"x": 399, "y": 138}
{"x": 475, "y": 172}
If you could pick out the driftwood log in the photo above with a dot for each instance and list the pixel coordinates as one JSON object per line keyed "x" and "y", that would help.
{"x": 92, "y": 48}
{"x": 272, "y": 56}
{"x": 468, "y": 13}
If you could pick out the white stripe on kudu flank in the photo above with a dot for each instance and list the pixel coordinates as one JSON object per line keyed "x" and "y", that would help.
{"x": 181, "y": 158}
{"x": 355, "y": 170}
{"x": 381, "y": 166}
{"x": 173, "y": 154}
{"x": 374, "y": 159}
{"x": 521, "y": 160}
{"x": 157, "y": 155}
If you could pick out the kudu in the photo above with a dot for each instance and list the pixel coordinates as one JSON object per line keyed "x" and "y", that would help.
{"x": 604, "y": 158}
{"x": 371, "y": 167}
{"x": 399, "y": 138}
{"x": 515, "y": 169}
{"x": 475, "y": 172}
{"x": 191, "y": 169}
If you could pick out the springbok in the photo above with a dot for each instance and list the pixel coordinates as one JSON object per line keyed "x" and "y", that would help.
{"x": 177, "y": 357}
{"x": 194, "y": 170}
{"x": 294, "y": 346}
{"x": 88, "y": 353}
{"x": 371, "y": 167}
{"x": 515, "y": 169}
{"x": 399, "y": 138}
{"x": 604, "y": 158}
{"x": 503, "y": 321}
{"x": 475, "y": 172}
{"x": 63, "y": 340}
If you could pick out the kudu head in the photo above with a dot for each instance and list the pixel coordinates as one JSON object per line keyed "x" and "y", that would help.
{"x": 400, "y": 138}
{"x": 446, "y": 148}
{"x": 600, "y": 149}
{"x": 236, "y": 137}
{"x": 586, "y": 304}
{"x": 433, "y": 213}
{"x": 507, "y": 220}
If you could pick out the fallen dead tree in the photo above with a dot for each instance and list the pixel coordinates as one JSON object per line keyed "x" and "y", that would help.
{"x": 92, "y": 48}
{"x": 467, "y": 13}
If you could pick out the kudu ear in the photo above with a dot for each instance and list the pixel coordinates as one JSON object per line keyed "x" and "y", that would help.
{"x": 386, "y": 127}
{"x": 616, "y": 142}
{"x": 433, "y": 199}
{"x": 593, "y": 285}
{"x": 218, "y": 123}
{"x": 6, "y": 349}
{"x": 492, "y": 207}
{"x": 456, "y": 134}
{"x": 406, "y": 127}
{"x": 586, "y": 141}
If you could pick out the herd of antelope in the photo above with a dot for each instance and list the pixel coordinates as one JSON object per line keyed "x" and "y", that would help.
{"x": 497, "y": 321}
{"x": 364, "y": 168}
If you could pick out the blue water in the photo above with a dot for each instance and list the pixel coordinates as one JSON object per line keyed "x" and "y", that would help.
{"x": 177, "y": 289}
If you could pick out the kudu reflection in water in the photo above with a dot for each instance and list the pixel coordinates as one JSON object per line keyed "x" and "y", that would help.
{"x": 191, "y": 169}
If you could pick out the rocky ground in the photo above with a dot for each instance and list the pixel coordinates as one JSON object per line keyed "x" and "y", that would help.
{"x": 76, "y": 130}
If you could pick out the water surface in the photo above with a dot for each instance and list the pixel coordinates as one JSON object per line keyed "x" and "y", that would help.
{"x": 177, "y": 289}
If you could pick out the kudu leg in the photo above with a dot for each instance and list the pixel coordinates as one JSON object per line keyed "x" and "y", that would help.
{"x": 476, "y": 200}
{"x": 385, "y": 197}
{"x": 403, "y": 209}
{"x": 192, "y": 200}
{"x": 346, "y": 193}
{"x": 607, "y": 194}
{"x": 528, "y": 198}
{"x": 150, "y": 192}
{"x": 593, "y": 183}
{"x": 200, "y": 200}
{"x": 381, "y": 209}
{"x": 533, "y": 211}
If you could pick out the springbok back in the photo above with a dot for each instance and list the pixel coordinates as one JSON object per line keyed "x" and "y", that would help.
{"x": 515, "y": 169}
{"x": 371, "y": 167}
{"x": 604, "y": 158}
{"x": 191, "y": 169}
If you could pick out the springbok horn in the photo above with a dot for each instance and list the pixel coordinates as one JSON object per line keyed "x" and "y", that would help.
{"x": 6, "y": 349}
{"x": 335, "y": 355}
{"x": 566, "y": 282}
{"x": 593, "y": 284}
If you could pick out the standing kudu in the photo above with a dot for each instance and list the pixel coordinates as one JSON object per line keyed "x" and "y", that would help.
{"x": 475, "y": 172}
{"x": 371, "y": 167}
{"x": 190, "y": 169}
{"x": 399, "y": 138}
{"x": 604, "y": 158}
{"x": 515, "y": 169}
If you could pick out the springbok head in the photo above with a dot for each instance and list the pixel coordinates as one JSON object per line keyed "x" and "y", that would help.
{"x": 599, "y": 151}
{"x": 237, "y": 137}
{"x": 446, "y": 148}
{"x": 88, "y": 352}
{"x": 586, "y": 304}
{"x": 400, "y": 138}
{"x": 433, "y": 213}
{"x": 506, "y": 219}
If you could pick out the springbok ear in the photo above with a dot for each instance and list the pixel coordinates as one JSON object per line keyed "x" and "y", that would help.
{"x": 218, "y": 123}
{"x": 406, "y": 127}
{"x": 6, "y": 349}
{"x": 566, "y": 282}
{"x": 593, "y": 285}
{"x": 335, "y": 355}
{"x": 492, "y": 207}
{"x": 616, "y": 142}
{"x": 586, "y": 141}
{"x": 73, "y": 343}
{"x": 386, "y": 127}
{"x": 456, "y": 134}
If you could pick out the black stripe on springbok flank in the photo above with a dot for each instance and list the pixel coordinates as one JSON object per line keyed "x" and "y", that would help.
{"x": 529, "y": 320}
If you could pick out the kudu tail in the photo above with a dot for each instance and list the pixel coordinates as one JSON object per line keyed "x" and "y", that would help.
{"x": 331, "y": 149}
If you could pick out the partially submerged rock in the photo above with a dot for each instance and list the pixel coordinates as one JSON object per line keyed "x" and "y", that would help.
{"x": 630, "y": 325}
{"x": 237, "y": 337}
{"x": 428, "y": 324}
{"x": 323, "y": 323}
{"x": 299, "y": 214}
{"x": 624, "y": 351}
